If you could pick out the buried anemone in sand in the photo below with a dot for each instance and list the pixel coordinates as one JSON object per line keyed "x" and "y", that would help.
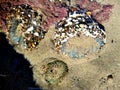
{"x": 52, "y": 71}
{"x": 56, "y": 71}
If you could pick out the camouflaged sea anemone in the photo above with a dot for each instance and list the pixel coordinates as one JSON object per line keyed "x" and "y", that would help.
{"x": 78, "y": 22}
{"x": 25, "y": 26}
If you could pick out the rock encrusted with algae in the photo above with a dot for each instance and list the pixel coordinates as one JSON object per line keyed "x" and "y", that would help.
{"x": 101, "y": 12}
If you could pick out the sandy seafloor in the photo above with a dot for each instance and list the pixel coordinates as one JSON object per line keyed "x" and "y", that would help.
{"x": 85, "y": 74}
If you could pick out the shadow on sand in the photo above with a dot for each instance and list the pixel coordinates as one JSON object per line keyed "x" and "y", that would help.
{"x": 15, "y": 71}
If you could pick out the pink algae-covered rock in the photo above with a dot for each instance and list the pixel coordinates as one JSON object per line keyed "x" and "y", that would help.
{"x": 104, "y": 14}
{"x": 82, "y": 3}
{"x": 57, "y": 15}
{"x": 93, "y": 6}
{"x": 99, "y": 11}
{"x": 3, "y": 13}
{"x": 52, "y": 12}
